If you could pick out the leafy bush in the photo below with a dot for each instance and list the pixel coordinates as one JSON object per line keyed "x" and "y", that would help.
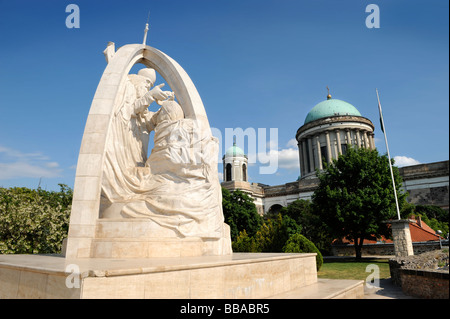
{"x": 244, "y": 243}
{"x": 274, "y": 232}
{"x": 298, "y": 243}
{"x": 33, "y": 221}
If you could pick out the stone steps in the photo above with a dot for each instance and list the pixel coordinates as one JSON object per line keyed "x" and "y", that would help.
{"x": 327, "y": 289}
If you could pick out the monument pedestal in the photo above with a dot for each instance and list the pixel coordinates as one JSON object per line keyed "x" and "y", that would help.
{"x": 143, "y": 238}
{"x": 240, "y": 275}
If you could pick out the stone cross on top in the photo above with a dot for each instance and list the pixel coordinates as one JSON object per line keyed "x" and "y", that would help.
{"x": 144, "y": 42}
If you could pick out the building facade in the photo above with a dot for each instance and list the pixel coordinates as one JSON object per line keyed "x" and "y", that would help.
{"x": 327, "y": 132}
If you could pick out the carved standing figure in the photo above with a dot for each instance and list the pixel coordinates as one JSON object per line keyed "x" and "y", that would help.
{"x": 127, "y": 145}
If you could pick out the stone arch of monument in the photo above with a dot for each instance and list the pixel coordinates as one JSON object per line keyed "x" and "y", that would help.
{"x": 88, "y": 178}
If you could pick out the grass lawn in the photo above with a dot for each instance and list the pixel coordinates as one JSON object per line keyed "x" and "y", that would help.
{"x": 352, "y": 269}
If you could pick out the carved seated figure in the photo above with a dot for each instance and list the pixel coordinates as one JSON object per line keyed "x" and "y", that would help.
{"x": 177, "y": 187}
{"x": 181, "y": 190}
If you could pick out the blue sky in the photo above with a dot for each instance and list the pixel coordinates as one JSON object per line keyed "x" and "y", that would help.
{"x": 256, "y": 64}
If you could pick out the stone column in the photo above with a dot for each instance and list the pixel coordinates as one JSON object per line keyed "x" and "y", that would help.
{"x": 327, "y": 136}
{"x": 366, "y": 140}
{"x": 311, "y": 158}
{"x": 358, "y": 139}
{"x": 319, "y": 153}
{"x": 402, "y": 237}
{"x": 305, "y": 160}
{"x": 372, "y": 140}
{"x": 349, "y": 137}
{"x": 338, "y": 139}
{"x": 300, "y": 156}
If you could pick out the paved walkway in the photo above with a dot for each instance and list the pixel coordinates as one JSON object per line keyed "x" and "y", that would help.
{"x": 387, "y": 290}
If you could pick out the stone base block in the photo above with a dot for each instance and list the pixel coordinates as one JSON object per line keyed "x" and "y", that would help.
{"x": 240, "y": 275}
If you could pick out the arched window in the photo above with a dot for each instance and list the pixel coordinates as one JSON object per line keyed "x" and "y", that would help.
{"x": 274, "y": 210}
{"x": 228, "y": 173}
{"x": 244, "y": 172}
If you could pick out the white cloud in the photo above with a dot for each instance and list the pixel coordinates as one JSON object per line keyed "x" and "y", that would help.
{"x": 292, "y": 143}
{"x": 288, "y": 159}
{"x": 285, "y": 158}
{"x": 16, "y": 164}
{"x": 401, "y": 161}
{"x": 18, "y": 154}
{"x": 221, "y": 177}
{"x": 23, "y": 169}
{"x": 272, "y": 144}
{"x": 52, "y": 164}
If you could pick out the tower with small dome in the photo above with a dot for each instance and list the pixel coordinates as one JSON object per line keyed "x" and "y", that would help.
{"x": 235, "y": 164}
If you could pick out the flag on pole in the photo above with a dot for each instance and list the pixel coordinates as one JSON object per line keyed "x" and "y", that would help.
{"x": 381, "y": 118}
{"x": 381, "y": 114}
{"x": 389, "y": 157}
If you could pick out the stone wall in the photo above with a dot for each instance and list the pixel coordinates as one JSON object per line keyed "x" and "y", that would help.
{"x": 427, "y": 184}
{"x": 382, "y": 249}
{"x": 424, "y": 276}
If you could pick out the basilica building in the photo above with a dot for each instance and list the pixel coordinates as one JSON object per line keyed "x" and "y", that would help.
{"x": 329, "y": 129}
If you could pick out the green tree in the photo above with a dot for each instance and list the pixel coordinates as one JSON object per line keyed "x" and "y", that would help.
{"x": 299, "y": 210}
{"x": 355, "y": 196}
{"x": 312, "y": 227}
{"x": 432, "y": 211}
{"x": 240, "y": 213}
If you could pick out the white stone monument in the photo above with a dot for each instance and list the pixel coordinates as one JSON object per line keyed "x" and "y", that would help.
{"x": 126, "y": 205}
{"x": 153, "y": 227}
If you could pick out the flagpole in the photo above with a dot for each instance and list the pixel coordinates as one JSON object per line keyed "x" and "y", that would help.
{"x": 389, "y": 156}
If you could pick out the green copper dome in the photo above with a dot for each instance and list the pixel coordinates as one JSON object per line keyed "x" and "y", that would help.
{"x": 331, "y": 107}
{"x": 234, "y": 151}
